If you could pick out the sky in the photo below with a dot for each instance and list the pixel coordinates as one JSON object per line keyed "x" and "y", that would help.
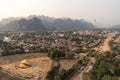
{"x": 100, "y": 12}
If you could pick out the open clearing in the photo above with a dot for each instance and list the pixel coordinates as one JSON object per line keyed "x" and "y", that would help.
{"x": 67, "y": 64}
{"x": 41, "y": 61}
{"x": 19, "y": 57}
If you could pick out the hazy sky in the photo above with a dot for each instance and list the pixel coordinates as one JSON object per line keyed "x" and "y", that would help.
{"x": 105, "y": 12}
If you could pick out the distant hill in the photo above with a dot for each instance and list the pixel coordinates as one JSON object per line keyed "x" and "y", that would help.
{"x": 116, "y": 27}
{"x": 64, "y": 23}
{"x": 71, "y": 24}
{"x": 8, "y": 20}
{"x": 33, "y": 23}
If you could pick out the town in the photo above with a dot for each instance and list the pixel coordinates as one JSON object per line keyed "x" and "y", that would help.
{"x": 61, "y": 55}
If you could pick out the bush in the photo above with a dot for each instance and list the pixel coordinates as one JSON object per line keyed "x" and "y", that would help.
{"x": 54, "y": 53}
{"x": 0, "y": 68}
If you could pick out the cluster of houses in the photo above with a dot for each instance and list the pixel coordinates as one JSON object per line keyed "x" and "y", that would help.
{"x": 116, "y": 44}
{"x": 67, "y": 40}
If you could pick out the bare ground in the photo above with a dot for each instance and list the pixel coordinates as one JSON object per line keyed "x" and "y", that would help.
{"x": 19, "y": 57}
{"x": 105, "y": 46}
{"x": 67, "y": 64}
{"x": 41, "y": 62}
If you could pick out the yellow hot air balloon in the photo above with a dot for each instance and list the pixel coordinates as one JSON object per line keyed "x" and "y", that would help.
{"x": 24, "y": 64}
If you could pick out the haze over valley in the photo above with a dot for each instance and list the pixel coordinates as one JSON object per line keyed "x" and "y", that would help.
{"x": 59, "y": 40}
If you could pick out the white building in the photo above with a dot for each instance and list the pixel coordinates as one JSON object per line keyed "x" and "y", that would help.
{"x": 6, "y": 39}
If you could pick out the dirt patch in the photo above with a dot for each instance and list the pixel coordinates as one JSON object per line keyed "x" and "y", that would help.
{"x": 105, "y": 46}
{"x": 67, "y": 64}
{"x": 19, "y": 57}
{"x": 42, "y": 66}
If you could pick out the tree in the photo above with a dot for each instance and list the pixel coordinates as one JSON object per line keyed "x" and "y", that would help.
{"x": 57, "y": 77}
{"x": 103, "y": 69}
{"x": 5, "y": 51}
{"x": 106, "y": 77}
{"x": 54, "y": 53}
{"x": 117, "y": 67}
{"x": 92, "y": 75}
{"x": 117, "y": 70}
{"x": 62, "y": 73}
{"x": 51, "y": 74}
{"x": 98, "y": 60}
{"x": 80, "y": 62}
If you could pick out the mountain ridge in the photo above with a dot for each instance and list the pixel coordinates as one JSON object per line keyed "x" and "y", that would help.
{"x": 45, "y": 23}
{"x": 34, "y": 24}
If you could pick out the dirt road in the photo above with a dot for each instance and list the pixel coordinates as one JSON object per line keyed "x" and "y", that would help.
{"x": 104, "y": 47}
